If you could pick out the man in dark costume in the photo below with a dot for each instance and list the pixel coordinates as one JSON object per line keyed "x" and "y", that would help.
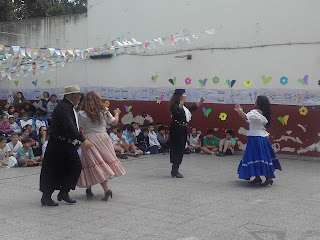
{"x": 61, "y": 165}
{"x": 178, "y": 129}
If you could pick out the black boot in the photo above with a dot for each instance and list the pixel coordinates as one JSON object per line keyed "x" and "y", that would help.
{"x": 46, "y": 200}
{"x": 175, "y": 171}
{"x": 65, "y": 197}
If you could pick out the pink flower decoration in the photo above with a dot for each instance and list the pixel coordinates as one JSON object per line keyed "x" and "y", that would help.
{"x": 188, "y": 81}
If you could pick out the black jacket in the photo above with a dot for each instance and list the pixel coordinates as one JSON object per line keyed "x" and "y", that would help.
{"x": 142, "y": 140}
{"x": 63, "y": 122}
{"x": 179, "y": 114}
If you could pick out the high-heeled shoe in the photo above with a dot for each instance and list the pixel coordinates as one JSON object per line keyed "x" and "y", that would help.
{"x": 47, "y": 201}
{"x": 89, "y": 192}
{"x": 256, "y": 180}
{"x": 106, "y": 195}
{"x": 267, "y": 182}
{"x": 65, "y": 197}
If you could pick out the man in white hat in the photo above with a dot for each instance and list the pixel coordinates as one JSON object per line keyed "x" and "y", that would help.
{"x": 61, "y": 165}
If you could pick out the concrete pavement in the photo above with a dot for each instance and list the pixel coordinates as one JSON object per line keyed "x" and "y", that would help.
{"x": 209, "y": 203}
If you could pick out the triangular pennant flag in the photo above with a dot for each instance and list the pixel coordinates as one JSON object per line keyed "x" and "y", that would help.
{"x": 23, "y": 51}
{"x": 51, "y": 51}
{"x": 15, "y": 50}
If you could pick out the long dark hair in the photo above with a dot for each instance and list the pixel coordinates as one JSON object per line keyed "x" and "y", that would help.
{"x": 263, "y": 104}
{"x": 175, "y": 99}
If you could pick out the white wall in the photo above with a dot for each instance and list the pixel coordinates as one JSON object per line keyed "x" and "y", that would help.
{"x": 237, "y": 23}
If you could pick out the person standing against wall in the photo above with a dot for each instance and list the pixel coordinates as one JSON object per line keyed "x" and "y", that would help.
{"x": 61, "y": 165}
{"x": 181, "y": 116}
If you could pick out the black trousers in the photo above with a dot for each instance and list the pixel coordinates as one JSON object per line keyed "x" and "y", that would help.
{"x": 178, "y": 139}
{"x": 61, "y": 167}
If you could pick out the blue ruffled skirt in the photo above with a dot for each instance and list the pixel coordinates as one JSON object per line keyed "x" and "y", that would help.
{"x": 259, "y": 159}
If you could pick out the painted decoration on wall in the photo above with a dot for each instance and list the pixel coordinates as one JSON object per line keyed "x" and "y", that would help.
{"x": 247, "y": 83}
{"x": 284, "y": 119}
{"x": 107, "y": 103}
{"x": 206, "y": 112}
{"x": 265, "y": 79}
{"x": 304, "y": 80}
{"x": 16, "y": 82}
{"x": 283, "y": 80}
{"x": 223, "y": 116}
{"x": 203, "y": 82}
{"x": 187, "y": 81}
{"x": 160, "y": 99}
{"x": 173, "y": 81}
{"x": 35, "y": 82}
{"x": 128, "y": 108}
{"x": 303, "y": 111}
{"x": 154, "y": 78}
{"x": 215, "y": 80}
{"x": 48, "y": 81}
{"x": 230, "y": 83}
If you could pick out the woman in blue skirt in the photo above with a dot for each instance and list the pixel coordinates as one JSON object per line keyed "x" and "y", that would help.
{"x": 259, "y": 158}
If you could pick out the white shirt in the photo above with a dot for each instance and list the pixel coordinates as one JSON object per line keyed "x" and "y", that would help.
{"x": 40, "y": 124}
{"x": 44, "y": 147}
{"x": 257, "y": 124}
{"x": 14, "y": 149}
{"x": 137, "y": 131}
{"x": 194, "y": 141}
{"x": 187, "y": 113}
{"x": 153, "y": 139}
{"x": 3, "y": 152}
{"x": 115, "y": 140}
{"x": 25, "y": 123}
{"x": 15, "y": 127}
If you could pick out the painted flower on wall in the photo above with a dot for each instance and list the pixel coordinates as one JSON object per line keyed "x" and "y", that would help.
{"x": 187, "y": 81}
{"x": 303, "y": 111}
{"x": 223, "y": 116}
{"x": 215, "y": 80}
{"x": 107, "y": 103}
{"x": 247, "y": 82}
{"x": 284, "y": 80}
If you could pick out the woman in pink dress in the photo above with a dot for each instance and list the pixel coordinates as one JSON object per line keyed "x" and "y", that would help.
{"x": 99, "y": 163}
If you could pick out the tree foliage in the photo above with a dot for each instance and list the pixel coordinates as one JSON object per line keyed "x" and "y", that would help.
{"x": 22, "y": 9}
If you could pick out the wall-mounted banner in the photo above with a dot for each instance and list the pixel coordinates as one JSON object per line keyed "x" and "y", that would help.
{"x": 228, "y": 96}
{"x": 28, "y": 61}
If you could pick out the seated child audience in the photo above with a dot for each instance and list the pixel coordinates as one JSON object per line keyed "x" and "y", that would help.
{"x": 5, "y": 126}
{"x": 14, "y": 145}
{"x": 25, "y": 120}
{"x": 6, "y": 161}
{"x": 52, "y": 104}
{"x": 226, "y": 145}
{"x": 194, "y": 141}
{"x": 143, "y": 142}
{"x": 25, "y": 155}
{"x": 157, "y": 127}
{"x": 16, "y": 115}
{"x": 119, "y": 142}
{"x": 40, "y": 122}
{"x": 163, "y": 138}
{"x": 210, "y": 143}
{"x": 132, "y": 140}
{"x": 14, "y": 126}
{"x": 137, "y": 128}
{"x": 153, "y": 139}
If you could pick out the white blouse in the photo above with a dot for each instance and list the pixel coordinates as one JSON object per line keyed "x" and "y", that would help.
{"x": 88, "y": 126}
{"x": 257, "y": 124}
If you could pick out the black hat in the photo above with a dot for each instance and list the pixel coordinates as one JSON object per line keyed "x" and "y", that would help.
{"x": 179, "y": 92}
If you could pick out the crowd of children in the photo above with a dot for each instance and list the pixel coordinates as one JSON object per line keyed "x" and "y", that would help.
{"x": 24, "y": 136}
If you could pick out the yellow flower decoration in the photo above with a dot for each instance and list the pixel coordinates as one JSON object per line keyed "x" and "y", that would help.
{"x": 247, "y": 82}
{"x": 223, "y": 116}
{"x": 107, "y": 103}
{"x": 303, "y": 111}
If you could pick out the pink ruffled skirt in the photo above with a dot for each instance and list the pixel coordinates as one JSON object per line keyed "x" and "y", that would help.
{"x": 100, "y": 162}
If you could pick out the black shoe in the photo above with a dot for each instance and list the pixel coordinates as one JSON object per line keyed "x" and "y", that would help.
{"x": 177, "y": 175}
{"x": 106, "y": 195}
{"x": 65, "y": 197}
{"x": 47, "y": 201}
{"x": 256, "y": 180}
{"x": 218, "y": 153}
{"x": 267, "y": 182}
{"x": 89, "y": 192}
{"x": 123, "y": 156}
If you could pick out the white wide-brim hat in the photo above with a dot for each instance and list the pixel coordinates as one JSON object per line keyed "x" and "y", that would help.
{"x": 72, "y": 89}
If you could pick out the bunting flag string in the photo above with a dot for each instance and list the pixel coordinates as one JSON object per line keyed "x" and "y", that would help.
{"x": 29, "y": 61}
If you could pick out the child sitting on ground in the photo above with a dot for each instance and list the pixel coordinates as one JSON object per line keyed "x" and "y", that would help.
{"x": 14, "y": 145}
{"x": 119, "y": 142}
{"x": 25, "y": 120}
{"x": 143, "y": 142}
{"x": 132, "y": 140}
{"x": 163, "y": 138}
{"x": 14, "y": 126}
{"x": 5, "y": 126}
{"x": 137, "y": 128}
{"x": 5, "y": 160}
{"x": 153, "y": 139}
{"x": 194, "y": 142}
{"x": 210, "y": 143}
{"x": 226, "y": 145}
{"x": 25, "y": 155}
{"x": 40, "y": 122}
